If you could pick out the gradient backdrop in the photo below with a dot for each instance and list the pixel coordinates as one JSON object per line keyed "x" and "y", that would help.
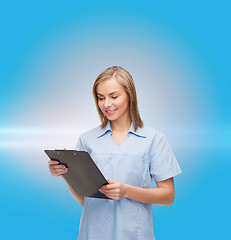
{"x": 178, "y": 53}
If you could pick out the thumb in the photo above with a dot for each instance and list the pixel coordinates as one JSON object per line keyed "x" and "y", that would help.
{"x": 108, "y": 181}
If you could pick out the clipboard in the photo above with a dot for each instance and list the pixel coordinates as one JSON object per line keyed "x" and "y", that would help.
{"x": 83, "y": 175}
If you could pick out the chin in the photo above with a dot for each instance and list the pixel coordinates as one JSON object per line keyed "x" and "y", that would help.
{"x": 111, "y": 118}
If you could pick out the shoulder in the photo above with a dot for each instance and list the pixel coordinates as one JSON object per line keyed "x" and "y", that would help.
{"x": 154, "y": 137}
{"x": 92, "y": 133}
{"x": 151, "y": 133}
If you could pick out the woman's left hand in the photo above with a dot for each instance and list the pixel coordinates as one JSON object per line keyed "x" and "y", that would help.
{"x": 114, "y": 190}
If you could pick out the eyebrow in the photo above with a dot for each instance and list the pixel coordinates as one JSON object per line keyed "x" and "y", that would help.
{"x": 109, "y": 93}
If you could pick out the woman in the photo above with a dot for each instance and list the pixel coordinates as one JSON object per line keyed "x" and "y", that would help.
{"x": 130, "y": 155}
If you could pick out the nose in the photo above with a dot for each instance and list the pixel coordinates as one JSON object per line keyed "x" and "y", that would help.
{"x": 107, "y": 103}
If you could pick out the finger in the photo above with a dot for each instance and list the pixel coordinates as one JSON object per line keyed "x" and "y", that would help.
{"x": 112, "y": 196}
{"x": 114, "y": 181}
{"x": 58, "y": 172}
{"x": 106, "y": 193}
{"x": 58, "y": 169}
{"x": 52, "y": 166}
{"x": 109, "y": 187}
{"x": 103, "y": 191}
{"x": 109, "y": 191}
{"x": 53, "y": 162}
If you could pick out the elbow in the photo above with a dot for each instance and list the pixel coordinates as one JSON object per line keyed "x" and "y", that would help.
{"x": 169, "y": 204}
{"x": 170, "y": 200}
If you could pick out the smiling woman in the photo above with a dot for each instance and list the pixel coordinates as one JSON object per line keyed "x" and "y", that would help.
{"x": 130, "y": 156}
{"x": 117, "y": 83}
{"x": 113, "y": 101}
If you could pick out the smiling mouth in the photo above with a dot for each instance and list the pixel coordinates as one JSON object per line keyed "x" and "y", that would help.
{"x": 110, "y": 111}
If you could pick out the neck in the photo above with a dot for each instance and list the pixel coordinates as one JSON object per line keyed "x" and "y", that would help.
{"x": 121, "y": 125}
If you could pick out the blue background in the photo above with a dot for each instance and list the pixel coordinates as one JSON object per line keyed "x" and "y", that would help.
{"x": 178, "y": 53}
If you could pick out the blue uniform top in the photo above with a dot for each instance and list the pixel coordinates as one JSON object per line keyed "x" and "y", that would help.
{"x": 145, "y": 155}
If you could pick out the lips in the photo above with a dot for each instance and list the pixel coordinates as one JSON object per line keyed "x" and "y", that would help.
{"x": 110, "y": 111}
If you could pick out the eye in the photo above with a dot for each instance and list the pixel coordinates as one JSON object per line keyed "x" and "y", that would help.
{"x": 100, "y": 98}
{"x": 114, "y": 97}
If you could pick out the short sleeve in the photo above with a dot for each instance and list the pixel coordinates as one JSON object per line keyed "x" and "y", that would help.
{"x": 79, "y": 146}
{"x": 163, "y": 164}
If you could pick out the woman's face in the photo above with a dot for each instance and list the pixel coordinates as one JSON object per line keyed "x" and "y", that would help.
{"x": 113, "y": 101}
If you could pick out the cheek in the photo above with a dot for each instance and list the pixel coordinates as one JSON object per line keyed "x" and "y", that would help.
{"x": 100, "y": 105}
{"x": 123, "y": 103}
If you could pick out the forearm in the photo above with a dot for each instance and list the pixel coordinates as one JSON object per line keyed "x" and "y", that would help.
{"x": 159, "y": 196}
{"x": 73, "y": 193}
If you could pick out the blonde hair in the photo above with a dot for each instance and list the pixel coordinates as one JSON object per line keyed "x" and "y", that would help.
{"x": 126, "y": 80}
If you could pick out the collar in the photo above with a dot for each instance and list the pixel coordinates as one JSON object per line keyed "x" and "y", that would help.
{"x": 139, "y": 132}
{"x": 103, "y": 131}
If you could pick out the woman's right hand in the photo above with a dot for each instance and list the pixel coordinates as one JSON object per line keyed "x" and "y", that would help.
{"x": 56, "y": 169}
